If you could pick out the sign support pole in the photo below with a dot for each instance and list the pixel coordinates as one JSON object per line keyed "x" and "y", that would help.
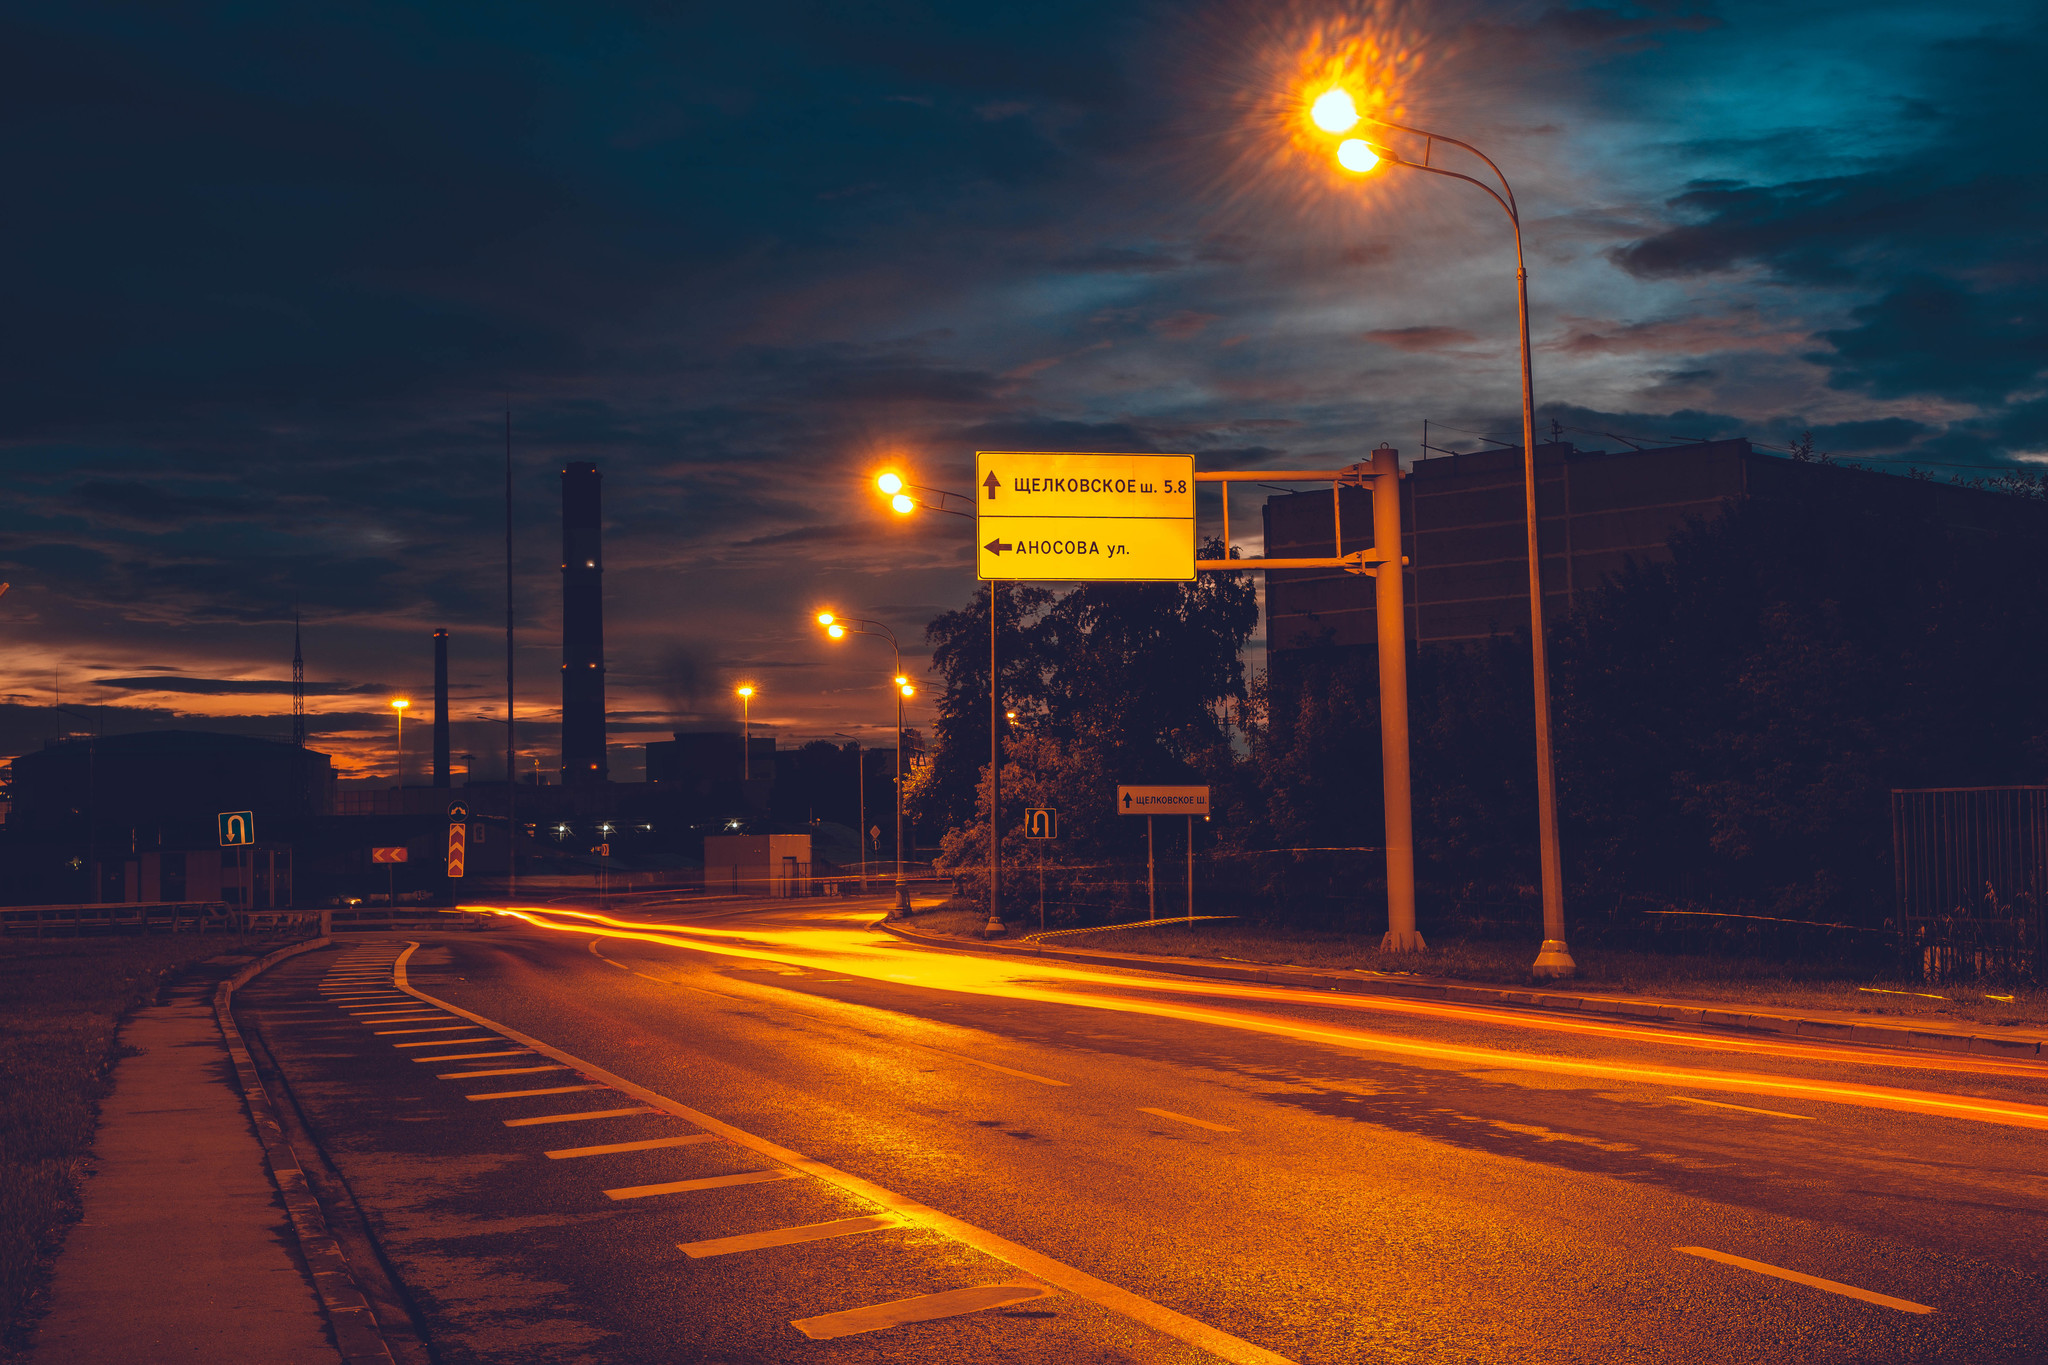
{"x": 994, "y": 927}
{"x": 1401, "y": 936}
{"x": 1151, "y": 875}
{"x": 1191, "y": 867}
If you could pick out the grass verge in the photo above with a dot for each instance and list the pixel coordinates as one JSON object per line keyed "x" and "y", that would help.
{"x": 61, "y": 1002}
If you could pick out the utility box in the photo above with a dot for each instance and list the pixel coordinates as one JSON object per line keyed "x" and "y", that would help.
{"x": 775, "y": 865}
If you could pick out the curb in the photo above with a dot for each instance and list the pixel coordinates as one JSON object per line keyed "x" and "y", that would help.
{"x": 1304, "y": 978}
{"x": 348, "y": 1310}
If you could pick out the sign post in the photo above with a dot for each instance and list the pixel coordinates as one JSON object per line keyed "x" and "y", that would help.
{"x": 458, "y": 838}
{"x": 1151, "y": 801}
{"x": 392, "y": 857}
{"x": 238, "y": 831}
{"x": 1041, "y": 822}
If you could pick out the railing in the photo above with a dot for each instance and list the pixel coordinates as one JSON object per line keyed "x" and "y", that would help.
{"x": 113, "y": 917}
{"x": 1971, "y": 871}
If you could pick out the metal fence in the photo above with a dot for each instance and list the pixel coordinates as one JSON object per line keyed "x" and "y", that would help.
{"x": 1971, "y": 869}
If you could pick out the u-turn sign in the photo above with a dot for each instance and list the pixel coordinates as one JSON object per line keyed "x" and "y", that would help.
{"x": 237, "y": 827}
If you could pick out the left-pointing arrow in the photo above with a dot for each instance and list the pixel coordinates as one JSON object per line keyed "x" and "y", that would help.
{"x": 996, "y": 547}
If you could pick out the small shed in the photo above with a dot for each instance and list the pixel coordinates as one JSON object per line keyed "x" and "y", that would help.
{"x": 757, "y": 864}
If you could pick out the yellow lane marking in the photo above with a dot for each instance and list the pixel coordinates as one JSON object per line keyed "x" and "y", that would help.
{"x": 787, "y": 1237}
{"x": 501, "y": 1071}
{"x": 1199, "y": 1123}
{"x": 406, "y": 1017}
{"x": 1814, "y": 1281}
{"x": 394, "y": 1032}
{"x": 522, "y": 1094}
{"x": 573, "y": 1118}
{"x": 685, "y": 1140}
{"x": 1079, "y": 1283}
{"x": 714, "y": 1182}
{"x": 1774, "y": 1113}
{"x": 923, "y": 1308}
{"x": 446, "y": 1042}
{"x": 478, "y": 1056}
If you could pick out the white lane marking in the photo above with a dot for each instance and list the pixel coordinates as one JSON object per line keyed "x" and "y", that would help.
{"x": 1079, "y": 1283}
{"x": 788, "y": 1237}
{"x": 478, "y": 1056}
{"x": 447, "y": 1042}
{"x": 400, "y": 1018}
{"x": 685, "y": 1140}
{"x": 1199, "y": 1123}
{"x": 522, "y": 1094}
{"x": 924, "y": 1308}
{"x": 499, "y": 1071}
{"x": 393, "y": 1032}
{"x": 976, "y": 1061}
{"x": 1719, "y": 1104}
{"x": 711, "y": 1182}
{"x": 1814, "y": 1281}
{"x": 659, "y": 981}
{"x": 575, "y": 1118}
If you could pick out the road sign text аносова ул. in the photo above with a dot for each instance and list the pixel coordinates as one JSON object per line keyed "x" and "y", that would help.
{"x": 1059, "y": 517}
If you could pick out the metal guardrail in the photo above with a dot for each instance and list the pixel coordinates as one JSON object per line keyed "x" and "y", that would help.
{"x": 113, "y": 917}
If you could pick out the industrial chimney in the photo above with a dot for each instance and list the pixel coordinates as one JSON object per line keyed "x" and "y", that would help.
{"x": 583, "y": 758}
{"x": 441, "y": 778}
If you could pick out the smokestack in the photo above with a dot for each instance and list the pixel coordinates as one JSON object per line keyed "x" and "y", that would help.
{"x": 441, "y": 708}
{"x": 583, "y": 758}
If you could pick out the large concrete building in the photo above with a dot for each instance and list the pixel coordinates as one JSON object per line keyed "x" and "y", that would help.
{"x": 1465, "y": 533}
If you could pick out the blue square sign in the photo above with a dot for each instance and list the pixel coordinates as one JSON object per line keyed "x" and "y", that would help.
{"x": 237, "y": 827}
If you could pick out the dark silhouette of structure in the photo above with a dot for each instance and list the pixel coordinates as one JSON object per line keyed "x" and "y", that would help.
{"x": 583, "y": 748}
{"x": 440, "y": 708}
{"x": 298, "y": 686}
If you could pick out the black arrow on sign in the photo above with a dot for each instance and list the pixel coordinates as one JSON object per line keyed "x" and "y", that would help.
{"x": 996, "y": 547}
{"x": 1127, "y": 800}
{"x": 991, "y": 483}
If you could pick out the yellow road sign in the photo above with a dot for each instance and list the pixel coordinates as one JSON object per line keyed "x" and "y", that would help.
{"x": 1046, "y": 516}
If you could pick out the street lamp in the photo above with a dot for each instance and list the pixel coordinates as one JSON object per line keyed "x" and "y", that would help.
{"x": 398, "y": 704}
{"x": 1336, "y": 113}
{"x": 892, "y": 485}
{"x": 838, "y": 628}
{"x": 746, "y": 696}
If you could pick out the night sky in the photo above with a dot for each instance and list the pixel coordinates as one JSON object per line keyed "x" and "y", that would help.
{"x": 274, "y": 272}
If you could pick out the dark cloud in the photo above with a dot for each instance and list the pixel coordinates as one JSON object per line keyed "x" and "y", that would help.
{"x": 222, "y": 687}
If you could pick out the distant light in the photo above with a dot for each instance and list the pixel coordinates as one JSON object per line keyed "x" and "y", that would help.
{"x": 902, "y": 681}
{"x": 835, "y": 631}
{"x": 904, "y": 503}
{"x": 890, "y": 483}
{"x": 747, "y": 691}
{"x": 400, "y": 703}
{"x": 1354, "y": 155}
{"x": 1011, "y": 715}
{"x": 1334, "y": 111}
{"x": 824, "y": 618}
{"x": 909, "y": 691}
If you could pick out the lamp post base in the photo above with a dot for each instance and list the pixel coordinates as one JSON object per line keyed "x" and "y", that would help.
{"x": 901, "y": 909}
{"x": 1403, "y": 941}
{"x": 1554, "y": 961}
{"x": 995, "y": 928}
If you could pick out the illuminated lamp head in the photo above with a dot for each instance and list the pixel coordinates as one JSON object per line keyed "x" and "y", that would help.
{"x": 1355, "y": 156}
{"x": 836, "y": 631}
{"x": 890, "y": 483}
{"x": 903, "y": 503}
{"x": 1334, "y": 111}
{"x": 825, "y": 618}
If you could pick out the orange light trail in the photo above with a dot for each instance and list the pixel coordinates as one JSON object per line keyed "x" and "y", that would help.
{"x": 839, "y": 951}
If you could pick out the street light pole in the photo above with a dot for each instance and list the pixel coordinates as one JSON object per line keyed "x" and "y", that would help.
{"x": 746, "y": 693}
{"x": 838, "y": 627}
{"x": 398, "y": 705}
{"x": 1335, "y": 112}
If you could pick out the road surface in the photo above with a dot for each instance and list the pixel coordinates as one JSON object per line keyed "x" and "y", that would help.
{"x": 748, "y": 1131}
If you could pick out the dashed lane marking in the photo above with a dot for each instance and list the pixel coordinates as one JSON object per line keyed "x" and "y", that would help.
{"x": 499, "y": 1071}
{"x": 685, "y": 1140}
{"x": 924, "y": 1308}
{"x": 524, "y": 1094}
{"x": 477, "y": 1056}
{"x": 574, "y": 1118}
{"x": 710, "y": 1182}
{"x": 976, "y": 1061}
{"x": 1719, "y": 1104}
{"x": 1183, "y": 1118}
{"x": 393, "y": 1032}
{"x": 788, "y": 1237}
{"x": 1813, "y": 1281}
{"x": 1043, "y": 1268}
{"x": 447, "y": 1042}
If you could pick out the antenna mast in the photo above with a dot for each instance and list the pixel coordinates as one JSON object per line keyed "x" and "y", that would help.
{"x": 298, "y": 685}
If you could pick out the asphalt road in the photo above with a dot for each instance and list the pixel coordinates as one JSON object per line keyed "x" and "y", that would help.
{"x": 947, "y": 1157}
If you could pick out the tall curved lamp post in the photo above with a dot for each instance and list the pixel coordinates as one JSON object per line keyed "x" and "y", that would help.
{"x": 745, "y": 692}
{"x": 838, "y": 628}
{"x": 1335, "y": 112}
{"x": 398, "y": 705}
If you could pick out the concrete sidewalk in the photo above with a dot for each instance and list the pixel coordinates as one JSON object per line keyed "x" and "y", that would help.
{"x": 185, "y": 1252}
{"x": 1831, "y": 1025}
